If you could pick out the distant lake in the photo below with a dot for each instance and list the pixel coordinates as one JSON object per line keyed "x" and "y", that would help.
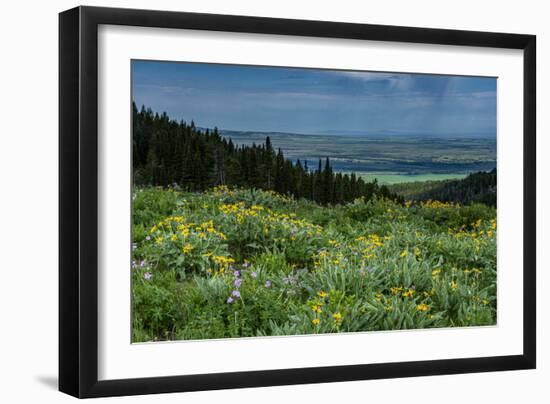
{"x": 390, "y": 158}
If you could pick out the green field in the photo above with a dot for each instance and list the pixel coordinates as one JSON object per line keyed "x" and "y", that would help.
{"x": 398, "y": 178}
{"x": 407, "y": 155}
{"x": 242, "y": 263}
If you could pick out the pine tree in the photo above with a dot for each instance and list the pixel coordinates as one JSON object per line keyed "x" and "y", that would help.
{"x": 166, "y": 151}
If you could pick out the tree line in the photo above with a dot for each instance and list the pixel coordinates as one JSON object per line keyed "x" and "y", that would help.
{"x": 167, "y": 152}
{"x": 480, "y": 187}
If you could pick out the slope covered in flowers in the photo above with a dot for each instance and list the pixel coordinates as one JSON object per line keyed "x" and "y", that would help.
{"x": 236, "y": 263}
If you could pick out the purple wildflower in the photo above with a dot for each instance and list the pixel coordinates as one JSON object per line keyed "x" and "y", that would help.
{"x": 237, "y": 273}
{"x": 230, "y": 300}
{"x": 148, "y": 238}
{"x": 245, "y": 264}
{"x": 142, "y": 263}
{"x": 253, "y": 274}
{"x": 413, "y": 287}
{"x": 268, "y": 283}
{"x": 370, "y": 270}
{"x": 238, "y": 283}
{"x": 147, "y": 276}
{"x": 236, "y": 294}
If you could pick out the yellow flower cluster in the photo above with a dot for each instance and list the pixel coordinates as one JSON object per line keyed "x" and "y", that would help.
{"x": 167, "y": 222}
{"x": 317, "y": 308}
{"x": 223, "y": 261}
{"x": 269, "y": 218}
{"x": 178, "y": 224}
{"x": 231, "y": 208}
{"x": 329, "y": 257}
{"x": 369, "y": 244}
{"x": 430, "y": 204}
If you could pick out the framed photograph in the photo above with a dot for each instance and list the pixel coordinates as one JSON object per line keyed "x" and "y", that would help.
{"x": 251, "y": 201}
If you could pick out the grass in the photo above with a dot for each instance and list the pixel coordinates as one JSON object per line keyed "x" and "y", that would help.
{"x": 241, "y": 263}
{"x": 398, "y": 178}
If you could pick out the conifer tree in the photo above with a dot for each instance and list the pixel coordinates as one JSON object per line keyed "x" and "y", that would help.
{"x": 167, "y": 152}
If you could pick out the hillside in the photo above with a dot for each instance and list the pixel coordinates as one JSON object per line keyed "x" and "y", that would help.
{"x": 231, "y": 263}
{"x": 480, "y": 187}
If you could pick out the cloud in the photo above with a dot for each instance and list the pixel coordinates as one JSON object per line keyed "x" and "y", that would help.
{"x": 398, "y": 81}
{"x": 307, "y": 100}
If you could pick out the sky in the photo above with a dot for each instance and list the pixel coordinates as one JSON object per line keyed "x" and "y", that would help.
{"x": 316, "y": 101}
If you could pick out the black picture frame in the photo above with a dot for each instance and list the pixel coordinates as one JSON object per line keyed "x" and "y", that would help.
{"x": 78, "y": 201}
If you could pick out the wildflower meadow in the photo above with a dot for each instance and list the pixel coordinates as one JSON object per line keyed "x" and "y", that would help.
{"x": 236, "y": 262}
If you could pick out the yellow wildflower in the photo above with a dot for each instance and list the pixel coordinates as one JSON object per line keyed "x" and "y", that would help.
{"x": 408, "y": 293}
{"x": 223, "y": 261}
{"x": 422, "y": 307}
{"x": 337, "y": 317}
{"x": 316, "y": 321}
{"x": 317, "y": 308}
{"x": 395, "y": 290}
